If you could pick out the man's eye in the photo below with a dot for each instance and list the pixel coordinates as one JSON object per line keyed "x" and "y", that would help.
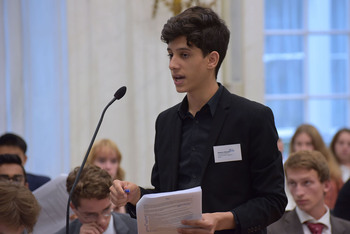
{"x": 307, "y": 182}
{"x": 170, "y": 55}
{"x": 184, "y": 55}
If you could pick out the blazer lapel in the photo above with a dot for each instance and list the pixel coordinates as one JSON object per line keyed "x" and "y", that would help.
{"x": 336, "y": 228}
{"x": 292, "y": 223}
{"x": 173, "y": 156}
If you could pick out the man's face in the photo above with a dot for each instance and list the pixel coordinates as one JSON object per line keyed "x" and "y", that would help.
{"x": 94, "y": 214}
{"x": 188, "y": 67}
{"x": 307, "y": 190}
{"x": 12, "y": 172}
{"x": 6, "y": 149}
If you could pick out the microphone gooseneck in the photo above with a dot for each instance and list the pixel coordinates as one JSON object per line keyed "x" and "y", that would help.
{"x": 118, "y": 95}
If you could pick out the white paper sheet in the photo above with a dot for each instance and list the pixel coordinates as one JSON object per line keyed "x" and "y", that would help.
{"x": 161, "y": 213}
{"x": 53, "y": 199}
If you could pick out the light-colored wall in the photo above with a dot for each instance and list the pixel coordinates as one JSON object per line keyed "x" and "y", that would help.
{"x": 115, "y": 43}
{"x": 96, "y": 47}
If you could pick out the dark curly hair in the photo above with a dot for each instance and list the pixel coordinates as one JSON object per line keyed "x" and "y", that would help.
{"x": 203, "y": 28}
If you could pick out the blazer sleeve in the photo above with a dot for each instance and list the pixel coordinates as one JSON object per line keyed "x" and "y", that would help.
{"x": 268, "y": 200}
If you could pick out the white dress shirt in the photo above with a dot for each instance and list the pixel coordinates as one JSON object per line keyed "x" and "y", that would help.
{"x": 325, "y": 220}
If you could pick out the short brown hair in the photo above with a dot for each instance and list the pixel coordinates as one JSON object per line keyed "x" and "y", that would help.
{"x": 94, "y": 182}
{"x": 18, "y": 206}
{"x": 308, "y": 160}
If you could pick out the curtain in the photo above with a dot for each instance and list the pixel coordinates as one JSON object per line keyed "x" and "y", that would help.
{"x": 34, "y": 89}
{"x": 61, "y": 62}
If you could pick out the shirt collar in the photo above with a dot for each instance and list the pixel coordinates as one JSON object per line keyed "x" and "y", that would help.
{"x": 212, "y": 103}
{"x": 304, "y": 217}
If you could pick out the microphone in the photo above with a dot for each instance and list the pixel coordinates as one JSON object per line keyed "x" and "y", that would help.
{"x": 117, "y": 95}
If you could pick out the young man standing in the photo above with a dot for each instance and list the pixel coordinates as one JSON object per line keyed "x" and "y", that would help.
{"x": 308, "y": 176}
{"x": 91, "y": 203}
{"x": 214, "y": 139}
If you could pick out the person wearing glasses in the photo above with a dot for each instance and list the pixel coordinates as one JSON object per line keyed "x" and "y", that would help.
{"x": 91, "y": 203}
{"x": 14, "y": 144}
{"x": 11, "y": 169}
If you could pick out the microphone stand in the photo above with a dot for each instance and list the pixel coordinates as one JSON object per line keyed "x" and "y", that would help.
{"x": 118, "y": 95}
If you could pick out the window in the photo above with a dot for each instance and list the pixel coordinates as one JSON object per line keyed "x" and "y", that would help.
{"x": 306, "y": 62}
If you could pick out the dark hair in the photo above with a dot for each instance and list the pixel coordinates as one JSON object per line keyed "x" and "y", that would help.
{"x": 10, "y": 139}
{"x": 13, "y": 159}
{"x": 203, "y": 28}
{"x": 94, "y": 182}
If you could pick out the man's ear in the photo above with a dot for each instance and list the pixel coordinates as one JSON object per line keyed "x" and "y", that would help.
{"x": 25, "y": 159}
{"x": 213, "y": 59}
{"x": 326, "y": 186}
{"x": 72, "y": 206}
{"x": 26, "y": 185}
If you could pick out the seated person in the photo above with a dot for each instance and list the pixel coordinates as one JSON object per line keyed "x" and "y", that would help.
{"x": 11, "y": 169}
{"x": 53, "y": 196}
{"x": 18, "y": 201}
{"x": 342, "y": 206}
{"x": 106, "y": 155}
{"x": 91, "y": 203}
{"x": 308, "y": 179}
{"x": 14, "y": 144}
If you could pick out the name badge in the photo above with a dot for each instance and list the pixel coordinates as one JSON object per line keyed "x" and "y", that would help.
{"x": 227, "y": 153}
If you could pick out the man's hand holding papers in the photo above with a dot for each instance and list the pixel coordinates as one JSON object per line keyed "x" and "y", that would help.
{"x": 161, "y": 213}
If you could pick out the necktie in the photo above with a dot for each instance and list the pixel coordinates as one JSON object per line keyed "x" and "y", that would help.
{"x": 315, "y": 228}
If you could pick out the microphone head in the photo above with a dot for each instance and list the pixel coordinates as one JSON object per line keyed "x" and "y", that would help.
{"x": 120, "y": 92}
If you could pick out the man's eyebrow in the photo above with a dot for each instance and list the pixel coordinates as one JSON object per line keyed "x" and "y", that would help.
{"x": 179, "y": 49}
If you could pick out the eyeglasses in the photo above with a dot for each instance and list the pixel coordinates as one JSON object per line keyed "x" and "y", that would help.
{"x": 91, "y": 217}
{"x": 16, "y": 178}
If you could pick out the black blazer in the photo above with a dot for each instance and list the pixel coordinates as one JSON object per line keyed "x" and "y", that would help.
{"x": 254, "y": 187}
{"x": 35, "y": 181}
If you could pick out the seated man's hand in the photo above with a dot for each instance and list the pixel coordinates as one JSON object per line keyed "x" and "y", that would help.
{"x": 91, "y": 228}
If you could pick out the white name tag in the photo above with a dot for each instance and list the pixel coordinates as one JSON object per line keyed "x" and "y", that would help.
{"x": 227, "y": 153}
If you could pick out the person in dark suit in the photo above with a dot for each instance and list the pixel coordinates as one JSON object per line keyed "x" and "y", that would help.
{"x": 13, "y": 144}
{"x": 308, "y": 179}
{"x": 342, "y": 205}
{"x": 214, "y": 139}
{"x": 91, "y": 203}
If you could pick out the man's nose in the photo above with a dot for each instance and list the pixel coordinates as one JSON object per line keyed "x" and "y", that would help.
{"x": 173, "y": 63}
{"x": 299, "y": 190}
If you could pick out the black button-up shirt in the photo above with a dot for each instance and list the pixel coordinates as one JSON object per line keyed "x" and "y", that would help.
{"x": 195, "y": 133}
